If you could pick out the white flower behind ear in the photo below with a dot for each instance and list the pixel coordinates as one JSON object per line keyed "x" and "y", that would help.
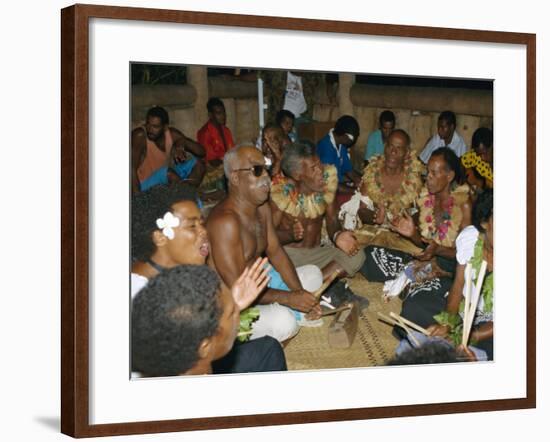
{"x": 167, "y": 223}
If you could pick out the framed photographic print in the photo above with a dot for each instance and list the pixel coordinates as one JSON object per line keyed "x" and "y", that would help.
{"x": 111, "y": 58}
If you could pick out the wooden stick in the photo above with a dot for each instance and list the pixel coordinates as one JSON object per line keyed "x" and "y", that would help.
{"x": 409, "y": 332}
{"x": 467, "y": 283}
{"x": 469, "y": 320}
{"x": 388, "y": 319}
{"x": 328, "y": 282}
{"x": 402, "y": 325}
{"x": 337, "y": 310}
{"x": 410, "y": 324}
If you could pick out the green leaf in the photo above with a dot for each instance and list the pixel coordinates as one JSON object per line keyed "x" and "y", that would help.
{"x": 247, "y": 317}
{"x": 454, "y": 322}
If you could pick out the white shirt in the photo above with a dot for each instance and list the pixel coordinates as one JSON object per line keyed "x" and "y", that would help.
{"x": 457, "y": 145}
{"x": 465, "y": 244}
{"x": 137, "y": 282}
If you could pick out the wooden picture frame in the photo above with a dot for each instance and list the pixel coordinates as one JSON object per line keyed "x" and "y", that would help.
{"x": 75, "y": 216}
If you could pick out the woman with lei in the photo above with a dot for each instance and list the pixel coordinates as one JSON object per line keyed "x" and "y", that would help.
{"x": 473, "y": 245}
{"x": 392, "y": 180}
{"x": 444, "y": 210}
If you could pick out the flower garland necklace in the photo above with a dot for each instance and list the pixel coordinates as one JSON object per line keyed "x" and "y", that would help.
{"x": 287, "y": 198}
{"x": 408, "y": 191}
{"x": 440, "y": 231}
{"x": 446, "y": 231}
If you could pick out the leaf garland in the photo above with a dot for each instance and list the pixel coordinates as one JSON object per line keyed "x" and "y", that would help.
{"x": 406, "y": 195}
{"x": 247, "y": 317}
{"x": 287, "y": 198}
{"x": 454, "y": 321}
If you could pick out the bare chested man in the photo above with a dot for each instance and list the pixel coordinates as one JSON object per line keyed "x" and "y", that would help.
{"x": 159, "y": 152}
{"x": 392, "y": 180}
{"x": 241, "y": 229}
{"x": 300, "y": 201}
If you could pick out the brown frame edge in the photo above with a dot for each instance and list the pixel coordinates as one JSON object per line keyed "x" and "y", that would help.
{"x": 74, "y": 219}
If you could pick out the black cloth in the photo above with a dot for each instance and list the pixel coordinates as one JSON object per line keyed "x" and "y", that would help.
{"x": 425, "y": 301}
{"x": 486, "y": 345}
{"x": 339, "y": 294}
{"x": 382, "y": 264}
{"x": 258, "y": 355}
{"x": 422, "y": 300}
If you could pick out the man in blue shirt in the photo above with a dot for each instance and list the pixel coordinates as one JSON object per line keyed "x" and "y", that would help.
{"x": 333, "y": 149}
{"x": 377, "y": 139}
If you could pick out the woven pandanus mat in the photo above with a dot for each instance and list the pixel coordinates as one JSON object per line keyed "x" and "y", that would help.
{"x": 382, "y": 237}
{"x": 374, "y": 343}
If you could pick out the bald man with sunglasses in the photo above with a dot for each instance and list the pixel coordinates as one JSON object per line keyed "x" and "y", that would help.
{"x": 241, "y": 229}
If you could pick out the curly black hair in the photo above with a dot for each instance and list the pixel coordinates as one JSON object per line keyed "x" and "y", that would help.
{"x": 448, "y": 116}
{"x": 483, "y": 209}
{"x": 452, "y": 161}
{"x": 158, "y": 112}
{"x": 170, "y": 318}
{"x": 386, "y": 117}
{"x": 213, "y": 102}
{"x": 482, "y": 135}
{"x": 346, "y": 124}
{"x": 282, "y": 114}
{"x": 427, "y": 353}
{"x": 147, "y": 207}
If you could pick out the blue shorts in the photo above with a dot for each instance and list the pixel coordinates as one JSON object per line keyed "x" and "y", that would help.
{"x": 160, "y": 176}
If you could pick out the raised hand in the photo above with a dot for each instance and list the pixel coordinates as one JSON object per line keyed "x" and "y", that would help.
{"x": 379, "y": 215}
{"x": 251, "y": 283}
{"x": 274, "y": 146}
{"x": 297, "y": 231}
{"x": 347, "y": 242}
{"x": 179, "y": 154}
{"x": 404, "y": 225}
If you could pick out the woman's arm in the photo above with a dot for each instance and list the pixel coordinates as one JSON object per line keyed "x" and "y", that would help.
{"x": 453, "y": 303}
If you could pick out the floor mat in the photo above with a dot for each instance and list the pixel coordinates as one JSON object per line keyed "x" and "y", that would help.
{"x": 374, "y": 343}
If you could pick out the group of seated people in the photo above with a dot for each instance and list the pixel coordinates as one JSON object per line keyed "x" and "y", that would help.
{"x": 278, "y": 234}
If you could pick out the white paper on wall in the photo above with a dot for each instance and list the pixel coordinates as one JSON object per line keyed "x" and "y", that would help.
{"x": 295, "y": 101}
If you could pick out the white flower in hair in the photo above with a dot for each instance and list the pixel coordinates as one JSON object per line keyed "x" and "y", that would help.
{"x": 167, "y": 223}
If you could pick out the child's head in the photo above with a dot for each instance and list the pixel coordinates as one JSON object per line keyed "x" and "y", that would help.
{"x": 285, "y": 119}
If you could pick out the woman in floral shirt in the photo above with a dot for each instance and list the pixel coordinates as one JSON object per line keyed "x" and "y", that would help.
{"x": 444, "y": 210}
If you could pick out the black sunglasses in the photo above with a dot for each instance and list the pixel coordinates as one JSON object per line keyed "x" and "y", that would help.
{"x": 257, "y": 170}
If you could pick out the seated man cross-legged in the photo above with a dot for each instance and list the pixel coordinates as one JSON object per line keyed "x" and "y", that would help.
{"x": 301, "y": 201}
{"x": 161, "y": 154}
{"x": 241, "y": 229}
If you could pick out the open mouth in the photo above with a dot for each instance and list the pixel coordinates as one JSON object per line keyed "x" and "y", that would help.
{"x": 204, "y": 249}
